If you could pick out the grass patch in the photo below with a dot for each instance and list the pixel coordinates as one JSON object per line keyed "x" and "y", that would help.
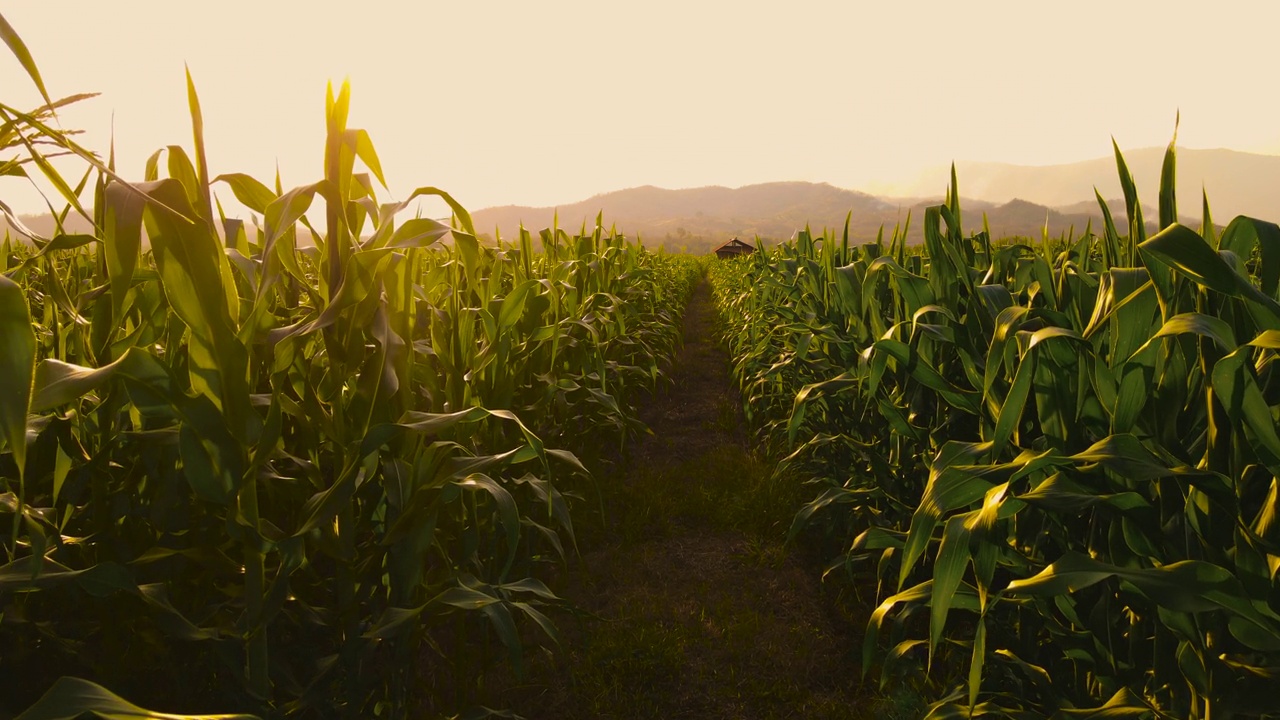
{"x": 727, "y": 488}
{"x": 631, "y": 665}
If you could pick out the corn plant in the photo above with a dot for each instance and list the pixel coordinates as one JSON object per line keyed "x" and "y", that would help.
{"x": 1056, "y": 460}
{"x": 295, "y": 467}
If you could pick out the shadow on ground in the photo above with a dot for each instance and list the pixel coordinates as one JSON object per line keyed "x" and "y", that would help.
{"x": 691, "y": 606}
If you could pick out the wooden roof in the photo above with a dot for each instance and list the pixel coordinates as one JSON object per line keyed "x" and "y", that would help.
{"x": 736, "y": 245}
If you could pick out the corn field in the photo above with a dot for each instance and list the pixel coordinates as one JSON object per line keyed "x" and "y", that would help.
{"x": 1056, "y": 461}
{"x": 305, "y": 468}
{"x": 324, "y": 463}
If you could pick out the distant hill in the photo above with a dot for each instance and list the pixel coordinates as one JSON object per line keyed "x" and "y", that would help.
{"x": 1238, "y": 183}
{"x": 698, "y": 219}
{"x": 44, "y": 226}
{"x": 700, "y": 216}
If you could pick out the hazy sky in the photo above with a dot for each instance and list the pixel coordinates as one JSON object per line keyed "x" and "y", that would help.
{"x": 543, "y": 103}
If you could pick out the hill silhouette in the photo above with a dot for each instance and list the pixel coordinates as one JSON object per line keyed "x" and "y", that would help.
{"x": 699, "y": 219}
{"x": 1018, "y": 201}
{"x": 43, "y": 225}
{"x": 1238, "y": 183}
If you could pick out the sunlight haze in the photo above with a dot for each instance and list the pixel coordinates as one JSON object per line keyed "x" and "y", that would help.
{"x": 550, "y": 103}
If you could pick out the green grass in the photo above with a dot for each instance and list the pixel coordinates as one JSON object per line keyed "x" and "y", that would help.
{"x": 725, "y": 489}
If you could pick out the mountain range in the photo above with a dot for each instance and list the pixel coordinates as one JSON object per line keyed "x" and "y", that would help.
{"x": 696, "y": 220}
{"x": 1017, "y": 200}
{"x": 1237, "y": 183}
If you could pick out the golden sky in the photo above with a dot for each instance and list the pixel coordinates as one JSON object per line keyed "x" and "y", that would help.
{"x": 543, "y": 103}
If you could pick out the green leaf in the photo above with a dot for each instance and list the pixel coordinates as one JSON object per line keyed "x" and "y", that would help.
{"x": 513, "y": 305}
{"x": 465, "y": 598}
{"x": 72, "y": 698}
{"x": 926, "y": 375}
{"x": 1237, "y": 389}
{"x": 203, "y": 203}
{"x": 19, "y": 50}
{"x": 948, "y": 571}
{"x": 508, "y": 514}
{"x": 1242, "y": 235}
{"x": 1123, "y": 704}
{"x": 1182, "y": 249}
{"x": 364, "y": 150}
{"x": 196, "y": 275}
{"x": 1133, "y": 207}
{"x": 1168, "y": 184}
{"x": 977, "y": 660}
{"x": 1187, "y": 586}
{"x": 1203, "y": 325}
{"x": 1059, "y": 494}
{"x": 58, "y": 383}
{"x": 1192, "y": 666}
{"x": 32, "y": 572}
{"x": 122, "y": 241}
{"x": 250, "y": 192}
{"x": 1011, "y": 409}
{"x": 17, "y": 367}
{"x": 416, "y": 233}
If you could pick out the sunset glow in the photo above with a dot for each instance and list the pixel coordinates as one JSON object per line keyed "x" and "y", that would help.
{"x": 550, "y": 103}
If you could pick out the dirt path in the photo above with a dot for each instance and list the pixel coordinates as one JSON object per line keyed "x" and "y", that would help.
{"x": 693, "y": 607}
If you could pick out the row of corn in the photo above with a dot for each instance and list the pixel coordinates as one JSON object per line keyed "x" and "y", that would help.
{"x": 317, "y": 466}
{"x": 1055, "y": 461}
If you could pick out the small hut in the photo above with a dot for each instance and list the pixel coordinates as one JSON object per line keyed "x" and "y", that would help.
{"x": 734, "y": 248}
